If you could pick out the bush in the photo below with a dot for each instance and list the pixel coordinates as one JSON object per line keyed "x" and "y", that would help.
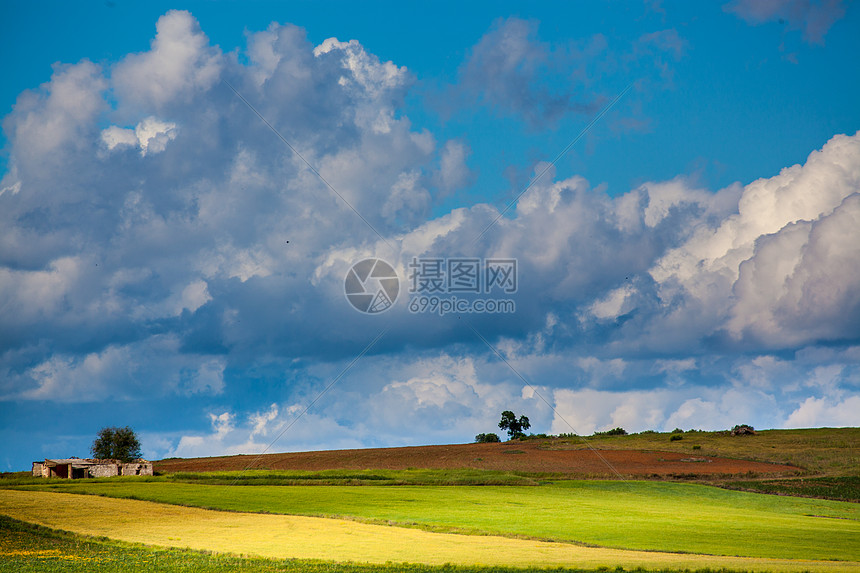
{"x": 677, "y": 431}
{"x": 743, "y": 430}
{"x": 487, "y": 438}
{"x": 697, "y": 447}
{"x": 649, "y": 432}
{"x": 612, "y": 432}
{"x": 675, "y": 437}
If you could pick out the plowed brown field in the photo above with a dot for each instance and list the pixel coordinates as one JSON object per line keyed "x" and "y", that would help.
{"x": 529, "y": 456}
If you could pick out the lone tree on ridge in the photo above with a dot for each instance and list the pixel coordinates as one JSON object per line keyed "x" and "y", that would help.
{"x": 115, "y": 443}
{"x": 513, "y": 426}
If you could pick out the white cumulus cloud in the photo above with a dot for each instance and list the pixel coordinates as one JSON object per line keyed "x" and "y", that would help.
{"x": 150, "y": 135}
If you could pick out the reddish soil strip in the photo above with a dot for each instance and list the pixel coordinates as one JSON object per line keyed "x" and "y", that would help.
{"x": 532, "y": 456}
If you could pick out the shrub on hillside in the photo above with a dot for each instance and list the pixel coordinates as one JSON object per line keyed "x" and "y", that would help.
{"x": 743, "y": 430}
{"x": 612, "y": 432}
{"x": 675, "y": 437}
{"x": 487, "y": 438}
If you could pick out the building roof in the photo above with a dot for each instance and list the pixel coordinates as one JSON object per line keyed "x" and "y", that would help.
{"x": 88, "y": 461}
{"x": 79, "y": 461}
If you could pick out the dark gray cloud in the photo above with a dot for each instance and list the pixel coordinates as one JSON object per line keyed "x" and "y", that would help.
{"x": 507, "y": 69}
{"x": 812, "y": 17}
{"x": 513, "y": 71}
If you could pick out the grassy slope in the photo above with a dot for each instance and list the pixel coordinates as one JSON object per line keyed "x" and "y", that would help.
{"x": 823, "y": 451}
{"x": 633, "y": 515}
{"x": 840, "y": 488}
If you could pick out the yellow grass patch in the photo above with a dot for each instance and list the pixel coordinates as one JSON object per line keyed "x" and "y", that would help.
{"x": 285, "y": 536}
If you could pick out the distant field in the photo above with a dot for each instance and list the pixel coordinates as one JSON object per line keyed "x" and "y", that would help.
{"x": 654, "y": 516}
{"x": 711, "y": 456}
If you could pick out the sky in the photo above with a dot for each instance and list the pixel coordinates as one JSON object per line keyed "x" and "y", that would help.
{"x": 188, "y": 191}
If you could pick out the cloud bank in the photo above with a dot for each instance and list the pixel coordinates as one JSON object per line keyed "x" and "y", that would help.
{"x": 159, "y": 241}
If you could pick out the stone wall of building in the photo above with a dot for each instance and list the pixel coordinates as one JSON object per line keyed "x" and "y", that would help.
{"x": 83, "y": 468}
{"x": 104, "y": 470}
{"x": 137, "y": 469}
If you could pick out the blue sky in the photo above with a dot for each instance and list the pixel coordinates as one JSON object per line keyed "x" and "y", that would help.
{"x": 167, "y": 262}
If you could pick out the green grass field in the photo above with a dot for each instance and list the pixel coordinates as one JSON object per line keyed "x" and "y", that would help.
{"x": 447, "y": 477}
{"x": 348, "y": 541}
{"x": 654, "y": 516}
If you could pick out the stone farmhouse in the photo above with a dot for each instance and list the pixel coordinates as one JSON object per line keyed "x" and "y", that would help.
{"x": 75, "y": 468}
